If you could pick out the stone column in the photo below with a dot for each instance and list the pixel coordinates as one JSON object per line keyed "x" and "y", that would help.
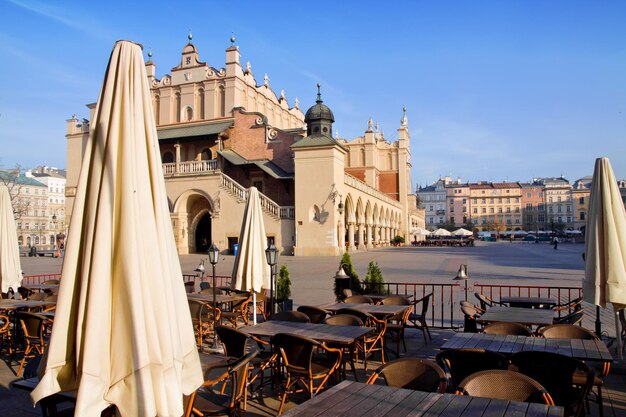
{"x": 177, "y": 148}
{"x": 369, "y": 242}
{"x": 351, "y": 246}
{"x": 361, "y": 233}
{"x": 342, "y": 236}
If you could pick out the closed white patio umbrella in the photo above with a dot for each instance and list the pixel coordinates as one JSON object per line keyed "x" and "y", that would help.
{"x": 10, "y": 269}
{"x": 250, "y": 270}
{"x": 605, "y": 244}
{"x": 122, "y": 330}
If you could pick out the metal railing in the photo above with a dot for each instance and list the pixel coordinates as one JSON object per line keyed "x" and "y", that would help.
{"x": 39, "y": 279}
{"x": 220, "y": 280}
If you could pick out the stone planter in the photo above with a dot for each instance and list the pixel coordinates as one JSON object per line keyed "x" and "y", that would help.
{"x": 286, "y": 305}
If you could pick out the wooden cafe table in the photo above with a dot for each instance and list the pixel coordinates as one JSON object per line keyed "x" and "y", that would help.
{"x": 526, "y": 316}
{"x": 374, "y": 309}
{"x": 585, "y": 350}
{"x": 219, "y": 298}
{"x": 357, "y": 399}
{"x": 320, "y": 332}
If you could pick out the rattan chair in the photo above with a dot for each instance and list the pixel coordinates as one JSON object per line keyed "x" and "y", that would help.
{"x": 486, "y": 302}
{"x": 418, "y": 320}
{"x": 556, "y": 373}
{"x": 504, "y": 385}
{"x": 349, "y": 351}
{"x": 302, "y": 366}
{"x": 412, "y": 373}
{"x": 569, "y": 306}
{"x": 51, "y": 282}
{"x": 203, "y": 317}
{"x": 5, "y": 333}
{"x": 206, "y": 402}
{"x": 397, "y": 323}
{"x": 294, "y": 316}
{"x": 315, "y": 314}
{"x": 358, "y": 299}
{"x": 372, "y": 342}
{"x": 461, "y": 363}
{"x": 239, "y": 310}
{"x": 190, "y": 287}
{"x": 513, "y": 329}
{"x": 573, "y": 318}
{"x": 37, "y": 296}
{"x": 570, "y": 331}
{"x": 470, "y": 314}
{"x": 33, "y": 330}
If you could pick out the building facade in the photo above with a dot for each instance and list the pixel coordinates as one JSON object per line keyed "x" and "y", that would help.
{"x": 221, "y": 132}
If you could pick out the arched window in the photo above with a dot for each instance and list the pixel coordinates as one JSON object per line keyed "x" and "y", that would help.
{"x": 206, "y": 154}
{"x": 221, "y": 96}
{"x": 188, "y": 114}
{"x": 362, "y": 157}
{"x": 177, "y": 104}
{"x": 168, "y": 157}
{"x": 157, "y": 108}
{"x": 200, "y": 105}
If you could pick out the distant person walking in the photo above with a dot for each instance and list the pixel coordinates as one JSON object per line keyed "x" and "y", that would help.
{"x": 555, "y": 242}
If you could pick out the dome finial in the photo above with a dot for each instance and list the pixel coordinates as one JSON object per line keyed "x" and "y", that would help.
{"x": 190, "y": 36}
{"x": 319, "y": 93}
{"x": 404, "y": 121}
{"x": 150, "y": 53}
{"x": 232, "y": 38}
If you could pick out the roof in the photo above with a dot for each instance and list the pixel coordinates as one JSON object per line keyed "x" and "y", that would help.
{"x": 266, "y": 165}
{"x": 316, "y": 140}
{"x": 195, "y": 130}
{"x": 21, "y": 179}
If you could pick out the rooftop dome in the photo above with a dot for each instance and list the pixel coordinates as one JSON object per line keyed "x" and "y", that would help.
{"x": 319, "y": 111}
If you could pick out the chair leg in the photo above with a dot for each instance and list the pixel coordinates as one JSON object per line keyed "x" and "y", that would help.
{"x": 600, "y": 402}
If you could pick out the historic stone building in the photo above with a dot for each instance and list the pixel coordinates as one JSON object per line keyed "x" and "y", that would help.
{"x": 221, "y": 132}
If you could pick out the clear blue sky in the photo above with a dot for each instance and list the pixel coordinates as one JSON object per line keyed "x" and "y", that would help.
{"x": 495, "y": 90}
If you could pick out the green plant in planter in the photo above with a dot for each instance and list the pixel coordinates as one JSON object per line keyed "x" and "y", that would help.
{"x": 354, "y": 283}
{"x": 374, "y": 281}
{"x": 397, "y": 241}
{"x": 283, "y": 285}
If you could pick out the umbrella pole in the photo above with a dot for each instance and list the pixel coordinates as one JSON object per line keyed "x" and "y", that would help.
{"x": 214, "y": 311}
{"x": 253, "y": 307}
{"x": 618, "y": 335}
{"x": 598, "y": 323}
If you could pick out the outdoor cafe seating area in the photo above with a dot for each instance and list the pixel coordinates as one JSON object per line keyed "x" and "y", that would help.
{"x": 528, "y": 355}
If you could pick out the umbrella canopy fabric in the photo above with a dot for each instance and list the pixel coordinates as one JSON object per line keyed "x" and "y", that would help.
{"x": 441, "y": 232}
{"x": 605, "y": 240}
{"x": 250, "y": 270}
{"x": 420, "y": 231}
{"x": 10, "y": 270}
{"x": 462, "y": 232}
{"x": 123, "y": 333}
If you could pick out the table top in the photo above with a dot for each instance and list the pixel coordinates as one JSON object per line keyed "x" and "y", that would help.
{"x": 529, "y": 300}
{"x": 375, "y": 309}
{"x": 41, "y": 286}
{"x": 355, "y": 398}
{"x": 219, "y": 298}
{"x": 525, "y": 316}
{"x": 319, "y": 332}
{"x": 9, "y": 304}
{"x": 380, "y": 297}
{"x": 588, "y": 350}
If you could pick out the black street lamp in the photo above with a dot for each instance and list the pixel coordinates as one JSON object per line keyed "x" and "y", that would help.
{"x": 214, "y": 254}
{"x": 271, "y": 255}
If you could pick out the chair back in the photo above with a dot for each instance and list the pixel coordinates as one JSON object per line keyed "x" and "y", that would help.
{"x": 412, "y": 373}
{"x": 365, "y": 318}
{"x": 513, "y": 329}
{"x": 483, "y": 300}
{"x": 190, "y": 287}
{"x": 358, "y": 299}
{"x": 347, "y": 292}
{"x": 235, "y": 341}
{"x": 396, "y": 300}
{"x": 573, "y": 318}
{"x": 197, "y": 310}
{"x": 343, "y": 320}
{"x": 51, "y": 297}
{"x": 315, "y": 314}
{"x": 51, "y": 281}
{"x": 293, "y": 316}
{"x": 504, "y": 385}
{"x": 556, "y": 373}
{"x": 4, "y": 323}
{"x": 37, "y": 296}
{"x": 566, "y": 331}
{"x": 461, "y": 363}
{"x": 4, "y": 295}
{"x": 469, "y": 313}
{"x": 32, "y": 325}
{"x": 296, "y": 351}
{"x": 238, "y": 376}
{"x": 209, "y": 290}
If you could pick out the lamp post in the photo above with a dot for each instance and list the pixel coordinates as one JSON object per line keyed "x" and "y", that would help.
{"x": 271, "y": 255}
{"x": 214, "y": 254}
{"x": 341, "y": 276}
{"x": 462, "y": 275}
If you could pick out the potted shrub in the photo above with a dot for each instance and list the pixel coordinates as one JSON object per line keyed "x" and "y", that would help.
{"x": 353, "y": 283}
{"x": 374, "y": 282}
{"x": 397, "y": 241}
{"x": 283, "y": 290}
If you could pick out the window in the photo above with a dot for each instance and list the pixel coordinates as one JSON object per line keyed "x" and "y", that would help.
{"x": 508, "y": 209}
{"x": 582, "y": 215}
{"x": 491, "y": 200}
{"x": 508, "y": 200}
{"x": 517, "y": 209}
{"x": 581, "y": 200}
{"x": 539, "y": 194}
{"x": 516, "y": 221}
{"x": 540, "y": 207}
{"x": 508, "y": 220}
{"x": 529, "y": 206}
{"x": 558, "y": 208}
{"x": 541, "y": 218}
{"x": 550, "y": 209}
{"x": 27, "y": 227}
{"x": 558, "y": 199}
{"x": 475, "y": 210}
{"x": 568, "y": 209}
{"x": 491, "y": 210}
{"x": 484, "y": 210}
{"x": 464, "y": 201}
{"x": 499, "y": 209}
{"x": 484, "y": 200}
{"x": 528, "y": 195}
{"x": 19, "y": 226}
{"x": 499, "y": 201}
{"x": 474, "y": 201}
{"x": 549, "y": 199}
